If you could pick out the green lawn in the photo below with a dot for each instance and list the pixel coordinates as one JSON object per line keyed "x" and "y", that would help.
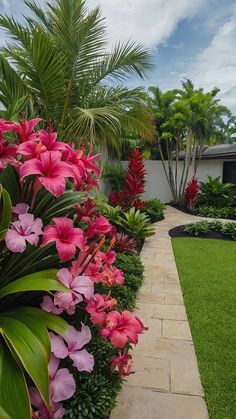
{"x": 207, "y": 270}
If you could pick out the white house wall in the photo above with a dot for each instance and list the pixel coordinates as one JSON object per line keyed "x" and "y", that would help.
{"x": 156, "y": 183}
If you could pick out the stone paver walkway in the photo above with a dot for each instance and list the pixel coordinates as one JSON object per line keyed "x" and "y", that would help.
{"x": 166, "y": 384}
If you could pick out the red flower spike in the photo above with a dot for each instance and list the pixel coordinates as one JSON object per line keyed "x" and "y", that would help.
{"x": 191, "y": 193}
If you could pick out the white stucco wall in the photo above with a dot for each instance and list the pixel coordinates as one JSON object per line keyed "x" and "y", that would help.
{"x": 156, "y": 183}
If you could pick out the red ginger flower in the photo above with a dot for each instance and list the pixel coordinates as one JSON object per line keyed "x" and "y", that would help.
{"x": 121, "y": 328}
{"x": 123, "y": 364}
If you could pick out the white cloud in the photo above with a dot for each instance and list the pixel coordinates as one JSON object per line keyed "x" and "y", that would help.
{"x": 150, "y": 22}
{"x": 216, "y": 64}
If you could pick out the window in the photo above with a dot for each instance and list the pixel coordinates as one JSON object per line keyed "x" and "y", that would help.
{"x": 229, "y": 172}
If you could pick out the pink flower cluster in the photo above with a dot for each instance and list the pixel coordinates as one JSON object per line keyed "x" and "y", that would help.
{"x": 77, "y": 241}
{"x": 51, "y": 161}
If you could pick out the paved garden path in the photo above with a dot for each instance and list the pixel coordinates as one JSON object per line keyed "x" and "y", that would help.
{"x": 166, "y": 384}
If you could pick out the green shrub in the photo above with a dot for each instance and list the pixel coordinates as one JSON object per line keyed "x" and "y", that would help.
{"x": 216, "y": 193}
{"x": 200, "y": 227}
{"x": 154, "y": 208}
{"x": 214, "y": 212}
{"x": 136, "y": 224}
{"x": 229, "y": 229}
{"x": 129, "y": 264}
{"x": 215, "y": 225}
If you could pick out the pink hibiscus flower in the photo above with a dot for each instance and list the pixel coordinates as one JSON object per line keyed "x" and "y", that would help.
{"x": 49, "y": 306}
{"x": 66, "y": 237}
{"x": 51, "y": 171}
{"x": 6, "y": 126}
{"x": 20, "y": 208}
{"x": 7, "y": 154}
{"x": 26, "y": 229}
{"x": 121, "y": 328}
{"x": 75, "y": 340}
{"x": 62, "y": 384}
{"x": 57, "y": 410}
{"x": 100, "y": 226}
{"x": 25, "y": 128}
{"x": 98, "y": 307}
{"x": 68, "y": 300}
{"x": 111, "y": 275}
{"x": 40, "y": 142}
{"x": 123, "y": 364}
{"x": 61, "y": 387}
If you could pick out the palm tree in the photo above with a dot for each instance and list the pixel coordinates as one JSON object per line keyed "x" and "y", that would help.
{"x": 57, "y": 63}
{"x": 185, "y": 121}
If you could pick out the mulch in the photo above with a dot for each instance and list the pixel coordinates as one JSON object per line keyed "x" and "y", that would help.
{"x": 217, "y": 235}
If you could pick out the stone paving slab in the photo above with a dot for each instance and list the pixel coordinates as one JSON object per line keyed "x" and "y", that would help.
{"x": 140, "y": 403}
{"x": 167, "y": 383}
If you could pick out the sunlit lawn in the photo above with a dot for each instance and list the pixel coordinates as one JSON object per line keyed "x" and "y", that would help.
{"x": 207, "y": 271}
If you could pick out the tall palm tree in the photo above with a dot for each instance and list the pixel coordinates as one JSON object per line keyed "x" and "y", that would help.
{"x": 186, "y": 120}
{"x": 58, "y": 63}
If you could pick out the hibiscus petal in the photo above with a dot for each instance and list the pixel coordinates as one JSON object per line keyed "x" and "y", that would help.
{"x": 15, "y": 242}
{"x": 32, "y": 239}
{"x": 53, "y": 365}
{"x": 83, "y": 285}
{"x": 65, "y": 277}
{"x": 21, "y": 208}
{"x": 66, "y": 251}
{"x": 56, "y": 185}
{"x": 31, "y": 167}
{"x": 58, "y": 346}
{"x": 64, "y": 299}
{"x": 50, "y": 235}
{"x": 62, "y": 386}
{"x": 82, "y": 360}
{"x": 75, "y": 339}
{"x": 118, "y": 339}
{"x": 48, "y": 305}
{"x": 35, "y": 398}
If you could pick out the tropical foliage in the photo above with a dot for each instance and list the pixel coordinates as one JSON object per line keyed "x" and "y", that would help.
{"x": 55, "y": 250}
{"x": 214, "y": 192}
{"x": 57, "y": 64}
{"x": 186, "y": 120}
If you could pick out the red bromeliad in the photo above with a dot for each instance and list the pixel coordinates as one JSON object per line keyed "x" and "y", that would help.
{"x": 191, "y": 193}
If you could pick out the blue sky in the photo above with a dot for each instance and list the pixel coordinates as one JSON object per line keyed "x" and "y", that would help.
{"x": 188, "y": 38}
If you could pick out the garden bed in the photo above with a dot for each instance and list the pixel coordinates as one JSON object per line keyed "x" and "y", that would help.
{"x": 217, "y": 235}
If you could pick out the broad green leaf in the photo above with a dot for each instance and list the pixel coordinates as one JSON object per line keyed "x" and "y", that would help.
{"x": 14, "y": 398}
{"x": 9, "y": 179}
{"x": 35, "y": 324}
{"x": 6, "y": 209}
{"x": 38, "y": 281}
{"x": 16, "y": 107}
{"x": 28, "y": 349}
{"x": 51, "y": 321}
{"x": 4, "y": 414}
